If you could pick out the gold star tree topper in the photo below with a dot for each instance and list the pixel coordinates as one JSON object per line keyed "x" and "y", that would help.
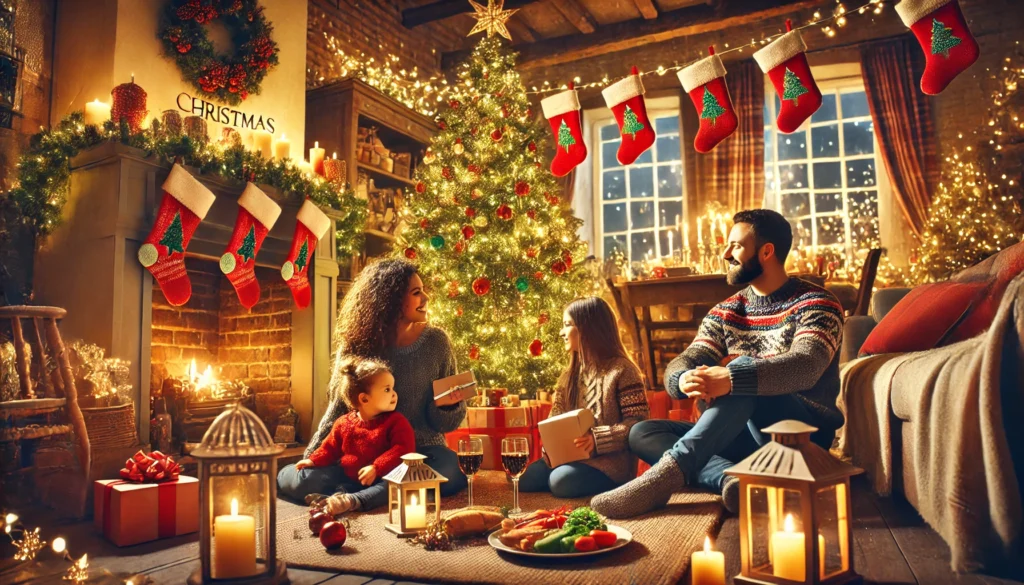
{"x": 492, "y": 18}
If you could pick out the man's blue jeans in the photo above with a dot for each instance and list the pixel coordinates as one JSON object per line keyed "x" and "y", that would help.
{"x": 726, "y": 433}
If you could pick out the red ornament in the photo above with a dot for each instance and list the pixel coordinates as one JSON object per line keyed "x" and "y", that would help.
{"x": 567, "y": 258}
{"x": 558, "y": 267}
{"x": 531, "y": 252}
{"x": 522, "y": 188}
{"x": 129, "y": 102}
{"x": 536, "y": 348}
{"x": 659, "y": 272}
{"x": 458, "y": 311}
{"x": 468, "y": 231}
{"x": 447, "y": 173}
{"x": 333, "y": 535}
{"x": 474, "y": 352}
{"x": 470, "y": 212}
{"x": 504, "y": 110}
{"x": 538, "y": 275}
{"x": 410, "y": 253}
{"x": 481, "y": 286}
{"x": 442, "y": 125}
{"x": 460, "y": 246}
{"x": 473, "y": 169}
{"x": 504, "y": 212}
{"x": 183, "y": 47}
{"x": 543, "y": 318}
{"x": 424, "y": 223}
{"x": 317, "y": 521}
{"x": 532, "y": 146}
{"x": 420, "y": 187}
{"x": 552, "y": 199}
{"x": 454, "y": 104}
{"x": 531, "y": 213}
{"x": 453, "y": 289}
{"x": 496, "y": 135}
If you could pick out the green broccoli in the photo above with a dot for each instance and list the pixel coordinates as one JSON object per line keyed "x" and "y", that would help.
{"x": 582, "y": 520}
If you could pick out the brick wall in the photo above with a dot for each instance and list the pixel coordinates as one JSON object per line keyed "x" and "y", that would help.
{"x": 181, "y": 334}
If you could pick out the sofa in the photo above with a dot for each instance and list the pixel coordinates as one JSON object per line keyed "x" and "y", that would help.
{"x": 941, "y": 425}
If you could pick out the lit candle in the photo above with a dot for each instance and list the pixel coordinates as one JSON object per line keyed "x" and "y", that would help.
{"x": 234, "y": 544}
{"x": 686, "y": 236}
{"x": 96, "y": 113}
{"x": 261, "y": 143}
{"x": 316, "y": 158}
{"x": 788, "y": 552}
{"x": 700, "y": 232}
{"x": 707, "y": 567}
{"x": 304, "y": 167}
{"x": 670, "y": 243}
{"x": 334, "y": 169}
{"x": 725, "y": 234}
{"x": 415, "y": 514}
{"x": 283, "y": 148}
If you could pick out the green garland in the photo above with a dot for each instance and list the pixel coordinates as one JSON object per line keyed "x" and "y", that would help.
{"x": 44, "y": 174}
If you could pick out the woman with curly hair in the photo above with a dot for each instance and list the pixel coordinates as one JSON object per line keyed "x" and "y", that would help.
{"x": 384, "y": 317}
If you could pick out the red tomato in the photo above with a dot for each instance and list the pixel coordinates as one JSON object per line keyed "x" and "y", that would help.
{"x": 603, "y": 538}
{"x": 586, "y": 544}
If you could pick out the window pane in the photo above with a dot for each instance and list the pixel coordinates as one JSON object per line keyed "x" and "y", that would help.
{"x": 666, "y": 125}
{"x": 858, "y": 138}
{"x": 767, "y": 114}
{"x": 770, "y": 201}
{"x": 831, "y": 230}
{"x": 641, "y": 182}
{"x": 864, "y": 219}
{"x": 801, "y": 234}
{"x": 864, "y": 204}
{"x": 641, "y": 215}
{"x": 669, "y": 213}
{"x": 614, "y": 184}
{"x": 827, "y": 111}
{"x": 854, "y": 104}
{"x": 614, "y": 217}
{"x": 609, "y": 131}
{"x": 795, "y": 204}
{"x": 793, "y": 146}
{"x": 646, "y": 157}
{"x": 613, "y": 244}
{"x": 608, "y": 151}
{"x": 663, "y": 237}
{"x": 826, "y": 202}
{"x": 860, "y": 173}
{"x": 770, "y": 181}
{"x": 643, "y": 244}
{"x": 670, "y": 181}
{"x": 793, "y": 176}
{"x": 828, "y": 175}
{"x": 769, "y": 146}
{"x": 668, "y": 148}
{"x": 825, "y": 141}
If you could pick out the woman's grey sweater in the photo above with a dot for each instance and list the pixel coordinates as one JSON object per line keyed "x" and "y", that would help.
{"x": 415, "y": 368}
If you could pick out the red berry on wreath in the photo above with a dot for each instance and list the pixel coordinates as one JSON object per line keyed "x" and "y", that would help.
{"x": 504, "y": 212}
{"x": 470, "y": 212}
{"x": 333, "y": 535}
{"x": 558, "y": 267}
{"x": 410, "y": 253}
{"x": 532, "y": 214}
{"x": 184, "y": 48}
{"x": 468, "y": 231}
{"x": 474, "y": 352}
{"x": 522, "y": 188}
{"x": 496, "y": 135}
{"x": 536, "y": 348}
{"x": 481, "y": 286}
{"x": 420, "y": 187}
{"x": 543, "y": 318}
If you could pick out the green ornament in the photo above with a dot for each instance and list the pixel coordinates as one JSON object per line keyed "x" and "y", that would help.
{"x": 522, "y": 284}
{"x": 437, "y": 242}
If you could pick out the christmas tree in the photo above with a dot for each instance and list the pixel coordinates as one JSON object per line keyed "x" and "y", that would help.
{"x": 494, "y": 241}
{"x": 303, "y": 257}
{"x": 565, "y": 139}
{"x": 942, "y": 39}
{"x": 630, "y": 125}
{"x": 172, "y": 236}
{"x": 712, "y": 109}
{"x": 792, "y": 89}
{"x": 247, "y": 251}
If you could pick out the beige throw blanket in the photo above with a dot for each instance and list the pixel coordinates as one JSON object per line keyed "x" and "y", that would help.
{"x": 967, "y": 489}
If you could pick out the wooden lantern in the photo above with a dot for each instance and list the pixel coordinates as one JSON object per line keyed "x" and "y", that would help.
{"x": 789, "y": 488}
{"x": 238, "y": 502}
{"x": 414, "y": 496}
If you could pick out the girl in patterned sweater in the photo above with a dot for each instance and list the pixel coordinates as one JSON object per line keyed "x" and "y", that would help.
{"x": 599, "y": 377}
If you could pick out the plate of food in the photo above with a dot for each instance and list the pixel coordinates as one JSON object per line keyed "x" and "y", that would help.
{"x": 559, "y": 534}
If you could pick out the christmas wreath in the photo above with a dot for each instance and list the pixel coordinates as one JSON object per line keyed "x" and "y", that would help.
{"x": 227, "y": 78}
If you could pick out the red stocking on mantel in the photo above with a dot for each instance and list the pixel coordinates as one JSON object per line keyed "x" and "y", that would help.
{"x": 257, "y": 214}
{"x": 562, "y": 111}
{"x": 785, "y": 62}
{"x": 311, "y": 226}
{"x": 704, "y": 81}
{"x": 942, "y": 32}
{"x": 625, "y": 98}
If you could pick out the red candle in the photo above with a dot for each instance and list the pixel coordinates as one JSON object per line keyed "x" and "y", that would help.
{"x": 334, "y": 169}
{"x": 129, "y": 103}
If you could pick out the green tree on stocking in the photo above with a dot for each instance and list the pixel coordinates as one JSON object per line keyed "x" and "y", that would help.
{"x": 712, "y": 109}
{"x": 942, "y": 39}
{"x": 792, "y": 89}
{"x": 565, "y": 139}
{"x": 172, "y": 236}
{"x": 630, "y": 125}
{"x": 247, "y": 251}
{"x": 303, "y": 258}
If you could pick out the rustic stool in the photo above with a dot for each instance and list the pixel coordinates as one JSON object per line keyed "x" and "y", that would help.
{"x": 58, "y": 404}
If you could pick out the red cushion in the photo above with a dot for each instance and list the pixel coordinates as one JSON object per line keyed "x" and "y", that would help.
{"x": 922, "y": 318}
{"x": 992, "y": 277}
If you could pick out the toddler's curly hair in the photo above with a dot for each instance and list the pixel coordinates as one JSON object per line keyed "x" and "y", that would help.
{"x": 351, "y": 373}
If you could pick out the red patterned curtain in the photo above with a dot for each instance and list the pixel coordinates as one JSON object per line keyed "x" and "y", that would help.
{"x": 903, "y": 123}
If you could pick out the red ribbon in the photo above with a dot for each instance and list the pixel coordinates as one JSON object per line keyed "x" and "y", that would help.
{"x": 166, "y": 505}
{"x": 153, "y": 468}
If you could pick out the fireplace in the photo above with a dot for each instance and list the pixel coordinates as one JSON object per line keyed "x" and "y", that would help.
{"x": 89, "y": 267}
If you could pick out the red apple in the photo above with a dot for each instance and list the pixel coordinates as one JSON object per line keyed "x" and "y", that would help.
{"x": 317, "y": 522}
{"x": 333, "y": 535}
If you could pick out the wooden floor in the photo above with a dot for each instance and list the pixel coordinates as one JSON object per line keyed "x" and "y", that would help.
{"x": 893, "y": 546}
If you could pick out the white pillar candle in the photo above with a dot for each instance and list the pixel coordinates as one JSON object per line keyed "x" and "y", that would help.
{"x": 261, "y": 143}
{"x": 304, "y": 167}
{"x": 415, "y": 513}
{"x": 670, "y": 243}
{"x": 283, "y": 148}
{"x": 707, "y": 567}
{"x": 234, "y": 545}
{"x": 316, "y": 158}
{"x": 96, "y": 113}
{"x": 788, "y": 552}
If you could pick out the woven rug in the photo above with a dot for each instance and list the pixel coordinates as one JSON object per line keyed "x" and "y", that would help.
{"x": 659, "y": 554}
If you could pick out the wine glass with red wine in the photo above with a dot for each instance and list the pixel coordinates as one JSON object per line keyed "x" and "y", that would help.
{"x": 471, "y": 457}
{"x": 515, "y": 454}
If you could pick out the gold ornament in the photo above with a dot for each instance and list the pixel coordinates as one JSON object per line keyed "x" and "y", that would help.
{"x": 428, "y": 158}
{"x": 480, "y": 221}
{"x": 491, "y": 19}
{"x": 458, "y": 148}
{"x": 29, "y": 545}
{"x": 79, "y": 571}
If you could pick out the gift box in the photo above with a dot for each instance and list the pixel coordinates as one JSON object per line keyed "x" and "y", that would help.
{"x": 558, "y": 432}
{"x": 486, "y": 417}
{"x": 128, "y": 512}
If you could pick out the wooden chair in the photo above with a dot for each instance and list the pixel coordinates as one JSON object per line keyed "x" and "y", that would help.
{"x": 867, "y": 282}
{"x": 53, "y": 410}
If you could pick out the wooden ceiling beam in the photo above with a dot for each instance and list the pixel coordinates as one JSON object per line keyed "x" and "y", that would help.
{"x": 521, "y": 31}
{"x": 647, "y": 8}
{"x": 412, "y": 17}
{"x": 576, "y": 14}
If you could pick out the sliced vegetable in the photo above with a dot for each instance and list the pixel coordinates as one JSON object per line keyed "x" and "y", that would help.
{"x": 568, "y": 544}
{"x": 550, "y": 544}
{"x": 604, "y": 538}
{"x": 586, "y": 544}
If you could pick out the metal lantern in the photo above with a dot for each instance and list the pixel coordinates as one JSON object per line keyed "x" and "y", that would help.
{"x": 238, "y": 502}
{"x": 414, "y": 496}
{"x": 790, "y": 488}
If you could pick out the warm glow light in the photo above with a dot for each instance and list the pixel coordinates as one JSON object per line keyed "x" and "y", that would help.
{"x": 11, "y": 518}
{"x": 234, "y": 507}
{"x": 788, "y": 524}
{"x": 412, "y": 500}
{"x": 84, "y": 561}
{"x": 59, "y": 545}
{"x": 707, "y": 544}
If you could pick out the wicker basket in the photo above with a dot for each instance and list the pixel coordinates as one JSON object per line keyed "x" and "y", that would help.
{"x": 111, "y": 426}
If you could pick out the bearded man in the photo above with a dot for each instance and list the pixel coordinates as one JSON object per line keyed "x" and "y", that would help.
{"x": 766, "y": 354}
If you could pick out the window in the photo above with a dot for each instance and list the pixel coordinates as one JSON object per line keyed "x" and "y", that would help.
{"x": 639, "y": 205}
{"x": 825, "y": 178}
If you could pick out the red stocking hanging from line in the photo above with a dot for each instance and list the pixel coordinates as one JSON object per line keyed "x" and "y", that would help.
{"x": 184, "y": 204}
{"x": 704, "y": 81}
{"x": 942, "y": 32}
{"x": 562, "y": 111}
{"x": 257, "y": 214}
{"x": 625, "y": 98}
{"x": 312, "y": 224}
{"x": 785, "y": 62}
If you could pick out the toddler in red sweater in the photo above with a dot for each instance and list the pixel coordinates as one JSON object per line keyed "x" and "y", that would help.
{"x": 368, "y": 441}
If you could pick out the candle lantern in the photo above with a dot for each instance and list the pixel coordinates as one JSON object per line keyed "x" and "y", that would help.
{"x": 791, "y": 488}
{"x": 238, "y": 502}
{"x": 414, "y": 496}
